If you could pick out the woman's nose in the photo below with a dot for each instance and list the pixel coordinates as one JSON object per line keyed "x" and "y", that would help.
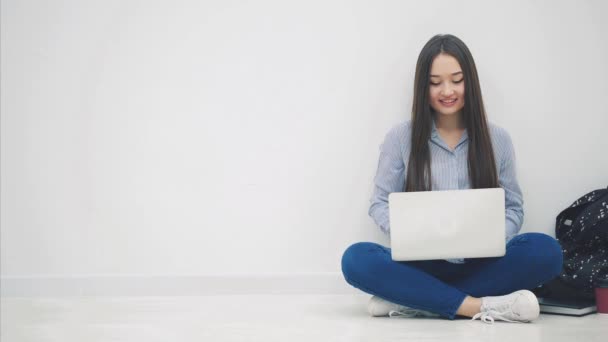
{"x": 447, "y": 91}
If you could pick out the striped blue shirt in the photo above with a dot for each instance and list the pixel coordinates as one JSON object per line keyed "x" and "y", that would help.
{"x": 449, "y": 171}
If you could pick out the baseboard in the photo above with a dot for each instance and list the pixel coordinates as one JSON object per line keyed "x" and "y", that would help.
{"x": 173, "y": 285}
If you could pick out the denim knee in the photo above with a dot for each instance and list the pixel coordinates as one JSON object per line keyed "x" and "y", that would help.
{"x": 546, "y": 250}
{"x": 353, "y": 258}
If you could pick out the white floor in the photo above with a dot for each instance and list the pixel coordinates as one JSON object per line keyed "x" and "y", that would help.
{"x": 260, "y": 318}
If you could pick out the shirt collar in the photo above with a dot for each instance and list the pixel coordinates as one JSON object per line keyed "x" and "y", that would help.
{"x": 435, "y": 135}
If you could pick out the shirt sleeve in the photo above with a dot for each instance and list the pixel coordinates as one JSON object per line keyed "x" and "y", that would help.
{"x": 507, "y": 179}
{"x": 390, "y": 177}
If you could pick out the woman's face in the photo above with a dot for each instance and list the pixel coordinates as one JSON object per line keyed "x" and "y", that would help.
{"x": 446, "y": 85}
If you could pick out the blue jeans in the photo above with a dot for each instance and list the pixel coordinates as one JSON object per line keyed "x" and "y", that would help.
{"x": 439, "y": 286}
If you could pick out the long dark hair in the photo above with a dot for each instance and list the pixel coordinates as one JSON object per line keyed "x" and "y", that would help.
{"x": 481, "y": 162}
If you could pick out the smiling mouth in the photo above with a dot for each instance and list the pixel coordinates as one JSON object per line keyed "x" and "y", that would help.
{"x": 447, "y": 103}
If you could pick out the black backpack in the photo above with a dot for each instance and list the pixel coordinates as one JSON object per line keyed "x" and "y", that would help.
{"x": 582, "y": 231}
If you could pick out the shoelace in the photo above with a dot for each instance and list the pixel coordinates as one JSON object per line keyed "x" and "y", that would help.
{"x": 490, "y": 315}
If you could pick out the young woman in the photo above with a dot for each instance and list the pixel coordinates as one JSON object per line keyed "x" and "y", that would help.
{"x": 448, "y": 144}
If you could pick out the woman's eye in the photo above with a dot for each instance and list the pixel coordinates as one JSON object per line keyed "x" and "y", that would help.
{"x": 436, "y": 84}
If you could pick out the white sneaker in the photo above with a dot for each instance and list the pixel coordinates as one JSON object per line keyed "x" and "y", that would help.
{"x": 379, "y": 307}
{"x": 519, "y": 306}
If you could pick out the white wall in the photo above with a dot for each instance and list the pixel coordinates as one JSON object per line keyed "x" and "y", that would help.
{"x": 163, "y": 138}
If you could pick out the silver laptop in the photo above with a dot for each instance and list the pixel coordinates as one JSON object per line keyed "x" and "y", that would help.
{"x": 448, "y": 224}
